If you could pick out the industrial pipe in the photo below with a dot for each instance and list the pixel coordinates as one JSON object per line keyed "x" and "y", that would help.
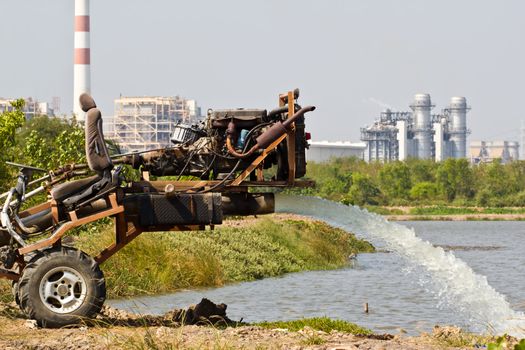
{"x": 248, "y": 203}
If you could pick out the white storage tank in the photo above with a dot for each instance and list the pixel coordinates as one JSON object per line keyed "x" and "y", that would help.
{"x": 422, "y": 106}
{"x": 458, "y": 126}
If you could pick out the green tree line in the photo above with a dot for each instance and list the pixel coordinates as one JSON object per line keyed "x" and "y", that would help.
{"x": 44, "y": 142}
{"x": 419, "y": 182}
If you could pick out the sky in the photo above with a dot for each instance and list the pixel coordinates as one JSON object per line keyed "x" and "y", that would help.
{"x": 350, "y": 58}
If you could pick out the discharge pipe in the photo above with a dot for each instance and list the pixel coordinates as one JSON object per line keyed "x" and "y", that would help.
{"x": 273, "y": 133}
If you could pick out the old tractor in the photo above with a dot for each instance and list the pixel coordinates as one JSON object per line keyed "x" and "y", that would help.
{"x": 217, "y": 167}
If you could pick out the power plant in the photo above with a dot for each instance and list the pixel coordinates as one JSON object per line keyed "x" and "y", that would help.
{"x": 82, "y": 74}
{"x": 418, "y": 133}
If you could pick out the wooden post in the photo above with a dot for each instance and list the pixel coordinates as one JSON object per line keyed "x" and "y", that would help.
{"x": 290, "y": 140}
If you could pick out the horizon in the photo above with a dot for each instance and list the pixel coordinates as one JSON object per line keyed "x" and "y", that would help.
{"x": 350, "y": 59}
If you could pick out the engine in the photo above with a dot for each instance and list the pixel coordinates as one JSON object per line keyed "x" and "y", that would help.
{"x": 228, "y": 141}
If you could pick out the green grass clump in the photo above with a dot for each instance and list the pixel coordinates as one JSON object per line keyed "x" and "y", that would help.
{"x": 165, "y": 262}
{"x": 5, "y": 291}
{"x": 324, "y": 324}
{"x": 383, "y": 210}
{"x": 443, "y": 210}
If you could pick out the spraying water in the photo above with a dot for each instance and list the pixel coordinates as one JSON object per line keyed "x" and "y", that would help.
{"x": 454, "y": 283}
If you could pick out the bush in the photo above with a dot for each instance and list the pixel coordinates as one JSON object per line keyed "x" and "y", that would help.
{"x": 363, "y": 191}
{"x": 424, "y": 191}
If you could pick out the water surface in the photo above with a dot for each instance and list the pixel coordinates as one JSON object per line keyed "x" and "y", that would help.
{"x": 398, "y": 294}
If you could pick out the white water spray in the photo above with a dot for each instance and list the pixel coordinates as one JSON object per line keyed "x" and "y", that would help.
{"x": 453, "y": 281}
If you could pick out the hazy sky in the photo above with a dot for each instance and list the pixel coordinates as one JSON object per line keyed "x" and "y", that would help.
{"x": 346, "y": 56}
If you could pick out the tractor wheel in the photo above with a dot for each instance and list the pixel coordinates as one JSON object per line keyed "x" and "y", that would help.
{"x": 14, "y": 290}
{"x": 60, "y": 287}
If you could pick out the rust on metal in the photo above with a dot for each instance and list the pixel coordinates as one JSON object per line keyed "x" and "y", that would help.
{"x": 36, "y": 209}
{"x": 9, "y": 275}
{"x": 290, "y": 140}
{"x": 258, "y": 161}
{"x": 55, "y": 237}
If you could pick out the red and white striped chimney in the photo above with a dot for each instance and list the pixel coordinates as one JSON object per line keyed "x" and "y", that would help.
{"x": 82, "y": 75}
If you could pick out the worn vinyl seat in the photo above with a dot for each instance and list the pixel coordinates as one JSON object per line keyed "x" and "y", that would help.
{"x": 74, "y": 192}
{"x": 67, "y": 189}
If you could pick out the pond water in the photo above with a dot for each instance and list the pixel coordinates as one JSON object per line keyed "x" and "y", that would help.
{"x": 400, "y": 294}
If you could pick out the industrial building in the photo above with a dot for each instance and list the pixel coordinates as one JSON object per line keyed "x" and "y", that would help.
{"x": 488, "y": 151}
{"x": 322, "y": 151}
{"x": 418, "y": 133}
{"x": 32, "y": 107}
{"x": 145, "y": 123}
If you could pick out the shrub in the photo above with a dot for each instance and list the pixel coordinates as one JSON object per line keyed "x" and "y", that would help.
{"x": 424, "y": 191}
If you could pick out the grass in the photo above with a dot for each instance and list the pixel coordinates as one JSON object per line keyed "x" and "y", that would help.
{"x": 446, "y": 210}
{"x": 5, "y": 291}
{"x": 383, "y": 210}
{"x": 324, "y": 324}
{"x": 165, "y": 262}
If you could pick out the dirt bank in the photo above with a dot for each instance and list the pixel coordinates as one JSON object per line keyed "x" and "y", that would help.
{"x": 119, "y": 330}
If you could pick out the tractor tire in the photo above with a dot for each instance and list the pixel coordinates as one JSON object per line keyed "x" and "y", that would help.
{"x": 14, "y": 290}
{"x": 60, "y": 287}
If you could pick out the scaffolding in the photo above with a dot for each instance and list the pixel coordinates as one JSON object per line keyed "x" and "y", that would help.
{"x": 146, "y": 123}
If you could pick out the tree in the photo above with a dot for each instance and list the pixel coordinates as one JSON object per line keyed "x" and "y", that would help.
{"x": 10, "y": 121}
{"x": 51, "y": 142}
{"x": 394, "y": 179}
{"x": 455, "y": 178}
{"x": 363, "y": 191}
{"x": 424, "y": 191}
{"x": 422, "y": 170}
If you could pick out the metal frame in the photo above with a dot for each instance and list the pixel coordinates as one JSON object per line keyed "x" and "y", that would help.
{"x": 127, "y": 228}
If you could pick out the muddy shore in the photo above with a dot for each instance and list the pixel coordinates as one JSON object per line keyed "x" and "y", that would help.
{"x": 116, "y": 329}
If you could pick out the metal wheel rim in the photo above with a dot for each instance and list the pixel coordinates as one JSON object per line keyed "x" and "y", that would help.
{"x": 62, "y": 290}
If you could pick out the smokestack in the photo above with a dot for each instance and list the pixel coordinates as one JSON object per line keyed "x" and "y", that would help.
{"x": 82, "y": 75}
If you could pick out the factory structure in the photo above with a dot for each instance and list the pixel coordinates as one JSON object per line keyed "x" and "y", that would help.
{"x": 418, "y": 133}
{"x": 488, "y": 151}
{"x": 145, "y": 123}
{"x": 323, "y": 151}
{"x": 32, "y": 107}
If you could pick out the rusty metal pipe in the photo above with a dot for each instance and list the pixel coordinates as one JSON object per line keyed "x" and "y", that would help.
{"x": 298, "y": 114}
{"x": 280, "y": 128}
{"x": 248, "y": 203}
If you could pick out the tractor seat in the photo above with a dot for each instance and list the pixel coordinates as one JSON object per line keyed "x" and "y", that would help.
{"x": 79, "y": 192}
{"x": 65, "y": 190}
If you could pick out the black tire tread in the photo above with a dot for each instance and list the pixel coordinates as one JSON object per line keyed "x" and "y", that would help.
{"x": 26, "y": 304}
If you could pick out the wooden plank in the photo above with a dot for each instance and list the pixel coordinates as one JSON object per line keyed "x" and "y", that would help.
{"x": 290, "y": 140}
{"x": 260, "y": 173}
{"x": 115, "y": 247}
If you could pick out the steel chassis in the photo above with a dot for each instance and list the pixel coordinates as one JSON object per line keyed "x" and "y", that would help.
{"x": 128, "y": 227}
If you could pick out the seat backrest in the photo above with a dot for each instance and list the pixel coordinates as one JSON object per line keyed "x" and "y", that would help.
{"x": 96, "y": 150}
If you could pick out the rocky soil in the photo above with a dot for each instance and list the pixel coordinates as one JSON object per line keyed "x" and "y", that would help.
{"x": 203, "y": 326}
